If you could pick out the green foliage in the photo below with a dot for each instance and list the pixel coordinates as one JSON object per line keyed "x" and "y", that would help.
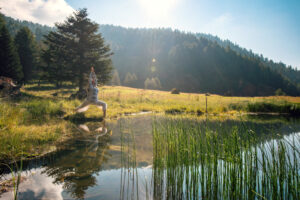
{"x": 9, "y": 60}
{"x": 130, "y": 79}
{"x": 175, "y": 91}
{"x": 152, "y": 83}
{"x": 279, "y": 92}
{"x": 27, "y": 50}
{"x": 74, "y": 48}
{"x": 115, "y": 80}
{"x": 14, "y": 25}
{"x": 293, "y": 74}
{"x": 288, "y": 108}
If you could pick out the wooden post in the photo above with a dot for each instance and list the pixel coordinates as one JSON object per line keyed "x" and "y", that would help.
{"x": 207, "y": 94}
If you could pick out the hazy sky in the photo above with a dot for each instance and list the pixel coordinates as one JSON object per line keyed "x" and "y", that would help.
{"x": 269, "y": 27}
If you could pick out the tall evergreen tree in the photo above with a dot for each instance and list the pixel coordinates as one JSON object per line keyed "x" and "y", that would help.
{"x": 80, "y": 47}
{"x": 115, "y": 80}
{"x": 56, "y": 66}
{"x": 9, "y": 60}
{"x": 27, "y": 48}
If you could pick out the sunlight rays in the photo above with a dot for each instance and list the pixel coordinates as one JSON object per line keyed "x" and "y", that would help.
{"x": 158, "y": 9}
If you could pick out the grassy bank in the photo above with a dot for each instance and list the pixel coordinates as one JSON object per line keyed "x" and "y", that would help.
{"x": 28, "y": 127}
{"x": 34, "y": 122}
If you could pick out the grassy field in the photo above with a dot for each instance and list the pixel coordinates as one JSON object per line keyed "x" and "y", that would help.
{"x": 34, "y": 123}
{"x": 123, "y": 100}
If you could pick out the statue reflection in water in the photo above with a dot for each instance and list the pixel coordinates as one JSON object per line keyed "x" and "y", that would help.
{"x": 77, "y": 165}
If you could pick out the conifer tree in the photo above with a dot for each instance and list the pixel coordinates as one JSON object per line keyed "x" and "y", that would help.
{"x": 9, "y": 60}
{"x": 115, "y": 80}
{"x": 26, "y": 47}
{"x": 75, "y": 47}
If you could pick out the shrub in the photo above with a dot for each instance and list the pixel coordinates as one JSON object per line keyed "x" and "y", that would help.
{"x": 288, "y": 108}
{"x": 279, "y": 92}
{"x": 235, "y": 106}
{"x": 175, "y": 91}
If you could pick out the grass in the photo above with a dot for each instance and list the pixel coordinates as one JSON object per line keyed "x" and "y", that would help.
{"x": 28, "y": 128}
{"x": 34, "y": 122}
{"x": 196, "y": 162}
{"x": 266, "y": 107}
{"x": 122, "y": 100}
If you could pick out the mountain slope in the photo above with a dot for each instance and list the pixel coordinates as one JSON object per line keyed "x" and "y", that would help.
{"x": 287, "y": 71}
{"x": 190, "y": 63}
{"x": 13, "y": 25}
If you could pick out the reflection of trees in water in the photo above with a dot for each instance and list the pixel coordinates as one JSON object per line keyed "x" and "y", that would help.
{"x": 129, "y": 175}
{"x": 75, "y": 168}
{"x": 132, "y": 184}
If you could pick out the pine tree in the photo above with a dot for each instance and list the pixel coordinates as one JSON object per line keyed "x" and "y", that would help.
{"x": 152, "y": 83}
{"x": 130, "y": 79}
{"x": 27, "y": 48}
{"x": 79, "y": 47}
{"x": 9, "y": 60}
{"x": 115, "y": 80}
{"x": 57, "y": 62}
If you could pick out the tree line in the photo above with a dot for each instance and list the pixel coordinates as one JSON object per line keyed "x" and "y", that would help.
{"x": 161, "y": 59}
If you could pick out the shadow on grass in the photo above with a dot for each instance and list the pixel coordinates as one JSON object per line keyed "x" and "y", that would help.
{"x": 23, "y": 97}
{"x": 79, "y": 118}
{"x": 48, "y": 87}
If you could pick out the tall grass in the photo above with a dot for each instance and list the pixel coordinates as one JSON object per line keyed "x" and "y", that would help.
{"x": 192, "y": 161}
{"x": 129, "y": 184}
{"x": 287, "y": 108}
{"x": 27, "y": 126}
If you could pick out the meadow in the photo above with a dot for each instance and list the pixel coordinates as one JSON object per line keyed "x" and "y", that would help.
{"x": 42, "y": 116}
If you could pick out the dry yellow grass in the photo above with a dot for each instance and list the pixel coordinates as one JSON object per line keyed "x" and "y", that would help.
{"x": 122, "y": 100}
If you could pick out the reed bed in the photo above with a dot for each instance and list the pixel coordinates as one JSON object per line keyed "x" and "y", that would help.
{"x": 193, "y": 161}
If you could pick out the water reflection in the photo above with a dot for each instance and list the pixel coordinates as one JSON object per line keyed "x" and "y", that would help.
{"x": 75, "y": 169}
{"x": 113, "y": 160}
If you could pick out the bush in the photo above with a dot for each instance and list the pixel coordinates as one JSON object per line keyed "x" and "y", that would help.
{"x": 235, "y": 106}
{"x": 175, "y": 91}
{"x": 279, "y": 92}
{"x": 288, "y": 108}
{"x": 174, "y": 111}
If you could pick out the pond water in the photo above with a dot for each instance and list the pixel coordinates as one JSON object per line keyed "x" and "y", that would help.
{"x": 115, "y": 160}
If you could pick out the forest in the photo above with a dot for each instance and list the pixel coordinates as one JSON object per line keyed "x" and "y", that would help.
{"x": 163, "y": 59}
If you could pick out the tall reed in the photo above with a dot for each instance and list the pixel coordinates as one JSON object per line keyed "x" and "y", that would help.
{"x": 192, "y": 161}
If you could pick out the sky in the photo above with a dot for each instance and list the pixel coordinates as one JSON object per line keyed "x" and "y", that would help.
{"x": 268, "y": 27}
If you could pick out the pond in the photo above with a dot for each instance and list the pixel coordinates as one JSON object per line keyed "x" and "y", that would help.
{"x": 160, "y": 157}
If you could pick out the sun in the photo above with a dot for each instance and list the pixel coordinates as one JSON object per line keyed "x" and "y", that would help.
{"x": 158, "y": 9}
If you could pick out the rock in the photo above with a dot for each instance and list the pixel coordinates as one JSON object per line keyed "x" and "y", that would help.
{"x": 8, "y": 88}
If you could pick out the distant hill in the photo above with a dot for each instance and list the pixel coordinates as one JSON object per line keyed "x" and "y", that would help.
{"x": 39, "y": 30}
{"x": 287, "y": 71}
{"x": 165, "y": 59}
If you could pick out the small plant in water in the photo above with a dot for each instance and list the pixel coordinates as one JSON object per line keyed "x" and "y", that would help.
{"x": 15, "y": 171}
